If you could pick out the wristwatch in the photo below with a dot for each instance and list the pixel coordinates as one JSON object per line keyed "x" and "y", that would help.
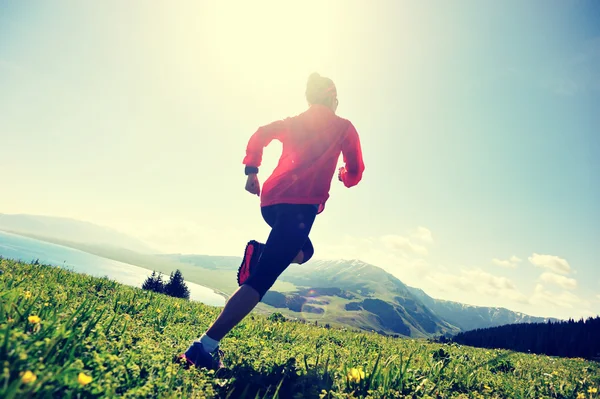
{"x": 250, "y": 170}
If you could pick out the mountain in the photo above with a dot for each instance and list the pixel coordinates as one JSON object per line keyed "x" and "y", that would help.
{"x": 70, "y": 230}
{"x": 469, "y": 317}
{"x": 360, "y": 294}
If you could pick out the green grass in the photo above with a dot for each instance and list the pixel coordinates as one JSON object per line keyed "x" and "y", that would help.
{"x": 125, "y": 339}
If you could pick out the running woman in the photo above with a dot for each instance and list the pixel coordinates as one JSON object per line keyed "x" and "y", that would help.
{"x": 291, "y": 198}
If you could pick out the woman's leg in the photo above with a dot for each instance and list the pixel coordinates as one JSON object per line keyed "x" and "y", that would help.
{"x": 288, "y": 236}
{"x": 305, "y": 253}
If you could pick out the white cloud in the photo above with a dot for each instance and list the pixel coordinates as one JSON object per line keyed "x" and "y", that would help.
{"x": 400, "y": 243}
{"x": 554, "y": 263}
{"x": 561, "y": 281}
{"x": 423, "y": 234}
{"x": 566, "y": 299}
{"x": 477, "y": 281}
{"x": 478, "y": 276}
{"x": 508, "y": 263}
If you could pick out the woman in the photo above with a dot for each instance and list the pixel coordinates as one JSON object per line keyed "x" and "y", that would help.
{"x": 291, "y": 198}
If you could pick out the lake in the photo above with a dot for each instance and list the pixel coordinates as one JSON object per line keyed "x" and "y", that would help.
{"x": 26, "y": 249}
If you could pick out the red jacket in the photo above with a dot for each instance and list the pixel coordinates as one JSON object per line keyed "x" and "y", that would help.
{"x": 312, "y": 144}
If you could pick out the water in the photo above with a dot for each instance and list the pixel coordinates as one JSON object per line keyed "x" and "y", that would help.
{"x": 28, "y": 249}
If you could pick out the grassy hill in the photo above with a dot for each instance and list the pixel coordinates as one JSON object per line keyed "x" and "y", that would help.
{"x": 70, "y": 335}
{"x": 348, "y": 293}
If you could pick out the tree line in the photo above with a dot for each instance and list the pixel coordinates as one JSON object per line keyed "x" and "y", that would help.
{"x": 568, "y": 338}
{"x": 175, "y": 287}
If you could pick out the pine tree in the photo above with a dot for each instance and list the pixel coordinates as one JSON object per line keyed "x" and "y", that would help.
{"x": 159, "y": 285}
{"x": 154, "y": 283}
{"x": 176, "y": 286}
{"x": 149, "y": 282}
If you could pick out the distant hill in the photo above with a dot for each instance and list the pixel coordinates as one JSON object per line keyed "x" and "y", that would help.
{"x": 348, "y": 293}
{"x": 469, "y": 317}
{"x": 229, "y": 263}
{"x": 70, "y": 230}
{"x": 358, "y": 294}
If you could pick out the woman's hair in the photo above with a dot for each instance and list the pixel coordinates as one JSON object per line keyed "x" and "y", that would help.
{"x": 320, "y": 90}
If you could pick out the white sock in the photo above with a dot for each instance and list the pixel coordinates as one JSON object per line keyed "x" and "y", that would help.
{"x": 208, "y": 343}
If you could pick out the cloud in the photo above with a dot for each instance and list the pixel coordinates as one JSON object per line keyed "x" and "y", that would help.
{"x": 566, "y": 299}
{"x": 561, "y": 281}
{"x": 423, "y": 234}
{"x": 551, "y": 262}
{"x": 479, "y": 282}
{"x": 508, "y": 263}
{"x": 400, "y": 243}
{"x": 479, "y": 276}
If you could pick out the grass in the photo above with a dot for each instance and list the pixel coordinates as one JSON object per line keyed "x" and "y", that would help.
{"x": 69, "y": 335}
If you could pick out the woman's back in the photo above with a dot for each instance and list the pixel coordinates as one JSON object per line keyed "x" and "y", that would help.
{"x": 312, "y": 143}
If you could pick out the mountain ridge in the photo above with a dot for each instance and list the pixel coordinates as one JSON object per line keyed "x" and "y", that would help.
{"x": 375, "y": 289}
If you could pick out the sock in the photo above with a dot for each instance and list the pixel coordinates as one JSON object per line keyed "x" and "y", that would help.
{"x": 208, "y": 343}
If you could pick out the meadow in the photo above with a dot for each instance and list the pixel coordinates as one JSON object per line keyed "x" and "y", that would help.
{"x": 68, "y": 335}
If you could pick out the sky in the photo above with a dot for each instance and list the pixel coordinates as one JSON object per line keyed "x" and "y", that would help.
{"x": 479, "y": 122}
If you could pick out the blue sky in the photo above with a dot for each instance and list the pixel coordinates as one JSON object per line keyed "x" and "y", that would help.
{"x": 479, "y": 123}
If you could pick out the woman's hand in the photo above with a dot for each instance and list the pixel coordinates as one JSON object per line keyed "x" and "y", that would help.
{"x": 253, "y": 185}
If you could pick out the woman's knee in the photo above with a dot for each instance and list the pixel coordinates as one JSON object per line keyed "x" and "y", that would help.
{"x": 307, "y": 252}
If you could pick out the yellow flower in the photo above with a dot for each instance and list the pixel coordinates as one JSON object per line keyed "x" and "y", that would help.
{"x": 27, "y": 294}
{"x": 28, "y": 377}
{"x": 157, "y": 310}
{"x": 592, "y": 390}
{"x": 84, "y": 379}
{"x": 580, "y": 395}
{"x": 487, "y": 388}
{"x": 23, "y": 356}
{"x": 177, "y": 306}
{"x": 356, "y": 375}
{"x": 34, "y": 319}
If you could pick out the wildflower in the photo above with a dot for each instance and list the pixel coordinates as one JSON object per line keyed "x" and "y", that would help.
{"x": 28, "y": 377}
{"x": 580, "y": 395}
{"x": 356, "y": 375}
{"x": 34, "y": 319}
{"x": 23, "y": 356}
{"x": 158, "y": 310}
{"x": 46, "y": 304}
{"x": 487, "y": 388}
{"x": 177, "y": 306}
{"x": 592, "y": 390}
{"x": 84, "y": 379}
{"x": 27, "y": 294}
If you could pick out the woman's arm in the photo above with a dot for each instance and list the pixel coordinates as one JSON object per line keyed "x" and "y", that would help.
{"x": 351, "y": 173}
{"x": 260, "y": 139}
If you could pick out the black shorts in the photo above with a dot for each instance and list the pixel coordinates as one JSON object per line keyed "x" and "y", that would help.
{"x": 290, "y": 227}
